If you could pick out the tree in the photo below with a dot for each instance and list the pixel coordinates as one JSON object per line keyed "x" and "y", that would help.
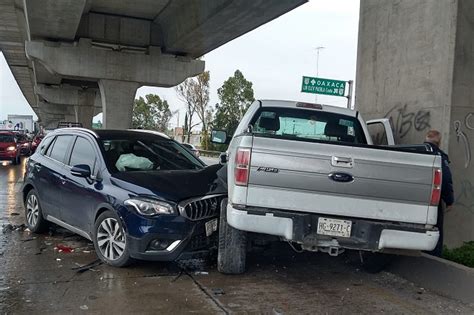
{"x": 151, "y": 112}
{"x": 235, "y": 95}
{"x": 195, "y": 93}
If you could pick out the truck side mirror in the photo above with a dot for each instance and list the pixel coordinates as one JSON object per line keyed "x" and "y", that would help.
{"x": 219, "y": 136}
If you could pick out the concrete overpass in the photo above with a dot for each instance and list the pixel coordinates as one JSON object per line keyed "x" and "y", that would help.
{"x": 75, "y": 58}
{"x": 416, "y": 66}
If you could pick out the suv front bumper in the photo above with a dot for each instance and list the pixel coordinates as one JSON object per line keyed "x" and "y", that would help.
{"x": 301, "y": 228}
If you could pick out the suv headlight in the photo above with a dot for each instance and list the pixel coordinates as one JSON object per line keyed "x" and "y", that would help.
{"x": 11, "y": 148}
{"x": 150, "y": 207}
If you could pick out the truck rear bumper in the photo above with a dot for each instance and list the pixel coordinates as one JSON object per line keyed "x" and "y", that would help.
{"x": 301, "y": 228}
{"x": 408, "y": 240}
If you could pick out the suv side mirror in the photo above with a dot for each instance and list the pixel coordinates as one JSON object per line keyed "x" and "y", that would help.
{"x": 81, "y": 170}
{"x": 219, "y": 136}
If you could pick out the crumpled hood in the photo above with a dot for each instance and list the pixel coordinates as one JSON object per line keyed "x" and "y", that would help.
{"x": 174, "y": 185}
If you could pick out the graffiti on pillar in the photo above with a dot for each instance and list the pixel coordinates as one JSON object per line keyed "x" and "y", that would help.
{"x": 404, "y": 121}
{"x": 467, "y": 121}
{"x": 464, "y": 197}
{"x": 462, "y": 137}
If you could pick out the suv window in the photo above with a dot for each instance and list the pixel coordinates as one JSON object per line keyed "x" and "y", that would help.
{"x": 44, "y": 145}
{"x": 48, "y": 145}
{"x": 59, "y": 148}
{"x": 83, "y": 153}
{"x": 288, "y": 123}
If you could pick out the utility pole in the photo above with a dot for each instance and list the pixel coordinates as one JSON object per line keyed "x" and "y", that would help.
{"x": 317, "y": 68}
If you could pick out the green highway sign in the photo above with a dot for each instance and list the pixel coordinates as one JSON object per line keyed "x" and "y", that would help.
{"x": 323, "y": 86}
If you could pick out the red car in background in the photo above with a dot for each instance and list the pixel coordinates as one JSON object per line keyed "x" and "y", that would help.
{"x": 35, "y": 143}
{"x": 24, "y": 143}
{"x": 9, "y": 149}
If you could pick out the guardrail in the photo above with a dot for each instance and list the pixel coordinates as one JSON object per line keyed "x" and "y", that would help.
{"x": 210, "y": 153}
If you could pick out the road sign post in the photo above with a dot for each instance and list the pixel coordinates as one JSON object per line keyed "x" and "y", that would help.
{"x": 323, "y": 86}
{"x": 349, "y": 94}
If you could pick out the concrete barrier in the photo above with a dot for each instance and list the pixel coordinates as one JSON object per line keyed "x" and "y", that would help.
{"x": 438, "y": 275}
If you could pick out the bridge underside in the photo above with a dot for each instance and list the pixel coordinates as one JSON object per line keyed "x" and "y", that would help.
{"x": 98, "y": 52}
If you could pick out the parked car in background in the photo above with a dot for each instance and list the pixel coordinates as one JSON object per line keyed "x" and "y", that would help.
{"x": 135, "y": 194}
{"x": 309, "y": 175}
{"x": 24, "y": 143}
{"x": 9, "y": 149}
{"x": 192, "y": 148}
{"x": 35, "y": 142}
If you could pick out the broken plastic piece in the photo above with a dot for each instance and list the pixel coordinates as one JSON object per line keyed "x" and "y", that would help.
{"x": 218, "y": 291}
{"x": 64, "y": 248}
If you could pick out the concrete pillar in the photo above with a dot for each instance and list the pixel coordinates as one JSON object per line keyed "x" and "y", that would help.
{"x": 81, "y": 101}
{"x": 70, "y": 118}
{"x": 416, "y": 66}
{"x": 117, "y": 103}
{"x": 84, "y": 115}
{"x": 85, "y": 108}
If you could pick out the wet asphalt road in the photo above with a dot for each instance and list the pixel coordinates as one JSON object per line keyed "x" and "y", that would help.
{"x": 37, "y": 278}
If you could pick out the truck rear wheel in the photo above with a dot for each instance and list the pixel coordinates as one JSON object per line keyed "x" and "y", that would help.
{"x": 232, "y": 251}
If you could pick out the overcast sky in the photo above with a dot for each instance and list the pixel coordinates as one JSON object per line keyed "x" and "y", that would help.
{"x": 273, "y": 57}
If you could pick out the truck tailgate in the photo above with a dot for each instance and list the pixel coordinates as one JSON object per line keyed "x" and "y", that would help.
{"x": 335, "y": 179}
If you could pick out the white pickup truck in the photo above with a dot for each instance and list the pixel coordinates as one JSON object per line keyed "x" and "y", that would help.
{"x": 310, "y": 175}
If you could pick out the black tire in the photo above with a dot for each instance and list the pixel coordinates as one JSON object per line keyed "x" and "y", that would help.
{"x": 232, "y": 249}
{"x": 34, "y": 213}
{"x": 106, "y": 254}
{"x": 375, "y": 262}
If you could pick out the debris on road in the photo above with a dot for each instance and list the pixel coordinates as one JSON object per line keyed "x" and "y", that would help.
{"x": 87, "y": 267}
{"x": 12, "y": 227}
{"x": 28, "y": 239}
{"x": 218, "y": 291}
{"x": 64, "y": 249}
{"x": 193, "y": 264}
{"x": 84, "y": 307}
{"x": 14, "y": 213}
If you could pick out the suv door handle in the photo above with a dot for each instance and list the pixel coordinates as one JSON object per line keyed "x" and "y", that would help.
{"x": 340, "y": 161}
{"x": 63, "y": 179}
{"x": 38, "y": 167}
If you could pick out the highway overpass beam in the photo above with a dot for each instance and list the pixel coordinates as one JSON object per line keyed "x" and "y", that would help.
{"x": 118, "y": 73}
{"x": 83, "y": 61}
{"x": 117, "y": 103}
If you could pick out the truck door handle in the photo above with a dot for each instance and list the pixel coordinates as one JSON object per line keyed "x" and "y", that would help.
{"x": 341, "y": 161}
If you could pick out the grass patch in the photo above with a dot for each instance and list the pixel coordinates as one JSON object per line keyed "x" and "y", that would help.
{"x": 463, "y": 255}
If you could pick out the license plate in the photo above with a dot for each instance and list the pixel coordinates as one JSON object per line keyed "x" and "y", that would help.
{"x": 211, "y": 227}
{"x": 334, "y": 227}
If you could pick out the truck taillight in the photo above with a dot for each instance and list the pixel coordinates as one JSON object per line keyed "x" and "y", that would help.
{"x": 242, "y": 166}
{"x": 436, "y": 188}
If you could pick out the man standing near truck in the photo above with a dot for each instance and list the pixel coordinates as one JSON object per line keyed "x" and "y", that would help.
{"x": 433, "y": 138}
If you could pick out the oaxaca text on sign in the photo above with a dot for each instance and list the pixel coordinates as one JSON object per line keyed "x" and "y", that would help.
{"x": 323, "y": 86}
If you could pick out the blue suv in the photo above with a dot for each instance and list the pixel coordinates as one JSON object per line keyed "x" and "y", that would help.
{"x": 135, "y": 194}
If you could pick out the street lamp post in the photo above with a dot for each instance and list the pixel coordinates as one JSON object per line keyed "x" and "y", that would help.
{"x": 317, "y": 67}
